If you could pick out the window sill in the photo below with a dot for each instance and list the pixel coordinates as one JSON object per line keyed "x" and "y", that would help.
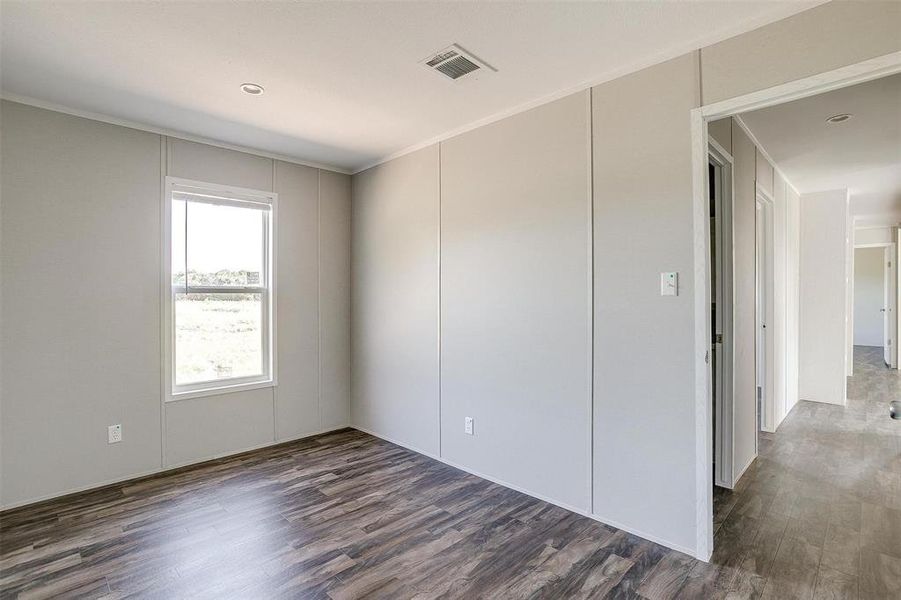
{"x": 221, "y": 391}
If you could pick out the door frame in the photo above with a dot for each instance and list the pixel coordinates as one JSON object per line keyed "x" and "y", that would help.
{"x": 860, "y": 72}
{"x": 765, "y": 314}
{"x": 724, "y": 474}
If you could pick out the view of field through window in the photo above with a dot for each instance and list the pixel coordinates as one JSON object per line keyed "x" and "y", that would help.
{"x": 219, "y": 329}
{"x": 217, "y": 336}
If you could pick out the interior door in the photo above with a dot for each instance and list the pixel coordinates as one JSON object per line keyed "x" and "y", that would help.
{"x": 761, "y": 318}
{"x": 886, "y": 306}
{"x": 720, "y": 194}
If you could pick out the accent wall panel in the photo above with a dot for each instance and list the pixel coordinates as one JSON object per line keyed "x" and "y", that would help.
{"x": 515, "y": 300}
{"x": 644, "y": 386}
{"x": 334, "y": 303}
{"x": 80, "y": 272}
{"x": 394, "y": 303}
{"x": 296, "y": 283}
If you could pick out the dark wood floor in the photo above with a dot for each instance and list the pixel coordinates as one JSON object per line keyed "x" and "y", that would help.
{"x": 346, "y": 515}
{"x": 818, "y": 514}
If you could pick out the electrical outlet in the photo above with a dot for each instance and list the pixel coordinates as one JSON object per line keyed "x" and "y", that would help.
{"x": 467, "y": 426}
{"x": 115, "y": 434}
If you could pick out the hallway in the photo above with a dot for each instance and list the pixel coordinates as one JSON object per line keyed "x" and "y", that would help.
{"x": 818, "y": 514}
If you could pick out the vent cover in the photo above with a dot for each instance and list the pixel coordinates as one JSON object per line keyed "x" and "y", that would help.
{"x": 454, "y": 62}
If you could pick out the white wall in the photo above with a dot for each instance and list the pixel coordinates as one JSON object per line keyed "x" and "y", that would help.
{"x": 825, "y": 237}
{"x": 80, "y": 269}
{"x": 793, "y": 297}
{"x": 779, "y": 331}
{"x": 865, "y": 236}
{"x": 869, "y": 298}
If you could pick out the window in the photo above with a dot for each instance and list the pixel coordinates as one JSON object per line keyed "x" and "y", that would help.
{"x": 219, "y": 311}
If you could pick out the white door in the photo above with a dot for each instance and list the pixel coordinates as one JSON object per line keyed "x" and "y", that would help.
{"x": 761, "y": 317}
{"x": 888, "y": 306}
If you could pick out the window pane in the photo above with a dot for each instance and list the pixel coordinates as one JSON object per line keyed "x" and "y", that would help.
{"x": 178, "y": 242}
{"x": 218, "y": 336}
{"x": 225, "y": 245}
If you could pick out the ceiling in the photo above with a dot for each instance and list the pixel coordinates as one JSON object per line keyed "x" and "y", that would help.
{"x": 862, "y": 154}
{"x": 343, "y": 82}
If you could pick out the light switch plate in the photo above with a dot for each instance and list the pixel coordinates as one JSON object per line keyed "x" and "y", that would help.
{"x": 669, "y": 284}
{"x": 467, "y": 426}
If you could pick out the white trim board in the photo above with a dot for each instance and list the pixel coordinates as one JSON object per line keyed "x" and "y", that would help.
{"x": 86, "y": 114}
{"x": 535, "y": 495}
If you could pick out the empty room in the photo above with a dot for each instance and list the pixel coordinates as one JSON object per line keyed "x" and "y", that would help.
{"x": 375, "y": 299}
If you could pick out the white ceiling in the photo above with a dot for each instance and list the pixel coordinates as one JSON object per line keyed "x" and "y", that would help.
{"x": 344, "y": 86}
{"x": 862, "y": 154}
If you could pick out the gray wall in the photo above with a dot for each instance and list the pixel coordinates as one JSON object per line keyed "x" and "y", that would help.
{"x": 395, "y": 300}
{"x": 644, "y": 343}
{"x": 826, "y": 37}
{"x": 480, "y": 196}
{"x": 81, "y": 306}
{"x": 515, "y": 301}
{"x": 80, "y": 272}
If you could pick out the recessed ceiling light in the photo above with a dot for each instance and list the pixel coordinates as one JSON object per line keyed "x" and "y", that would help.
{"x": 839, "y": 118}
{"x": 252, "y": 89}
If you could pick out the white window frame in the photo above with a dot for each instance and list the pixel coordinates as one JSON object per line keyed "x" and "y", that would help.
{"x": 225, "y": 195}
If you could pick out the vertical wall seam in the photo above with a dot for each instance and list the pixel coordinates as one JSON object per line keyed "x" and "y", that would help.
{"x": 319, "y": 294}
{"x": 700, "y": 77}
{"x": 591, "y": 274}
{"x": 274, "y": 321}
{"x": 440, "y": 454}
{"x": 164, "y": 170}
{"x": 350, "y": 303}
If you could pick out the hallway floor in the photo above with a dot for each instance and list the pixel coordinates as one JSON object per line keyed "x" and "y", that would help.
{"x": 818, "y": 514}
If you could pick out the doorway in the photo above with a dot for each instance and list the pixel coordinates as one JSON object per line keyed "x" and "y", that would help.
{"x": 719, "y": 186}
{"x": 709, "y": 383}
{"x": 874, "y": 311}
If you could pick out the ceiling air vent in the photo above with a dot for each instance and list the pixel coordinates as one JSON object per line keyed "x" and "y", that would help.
{"x": 454, "y": 62}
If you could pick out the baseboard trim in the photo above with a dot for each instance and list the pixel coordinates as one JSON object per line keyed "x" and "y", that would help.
{"x": 579, "y": 511}
{"x": 136, "y": 477}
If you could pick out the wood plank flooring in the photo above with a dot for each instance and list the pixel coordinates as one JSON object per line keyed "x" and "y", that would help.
{"x": 346, "y": 515}
{"x": 818, "y": 514}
